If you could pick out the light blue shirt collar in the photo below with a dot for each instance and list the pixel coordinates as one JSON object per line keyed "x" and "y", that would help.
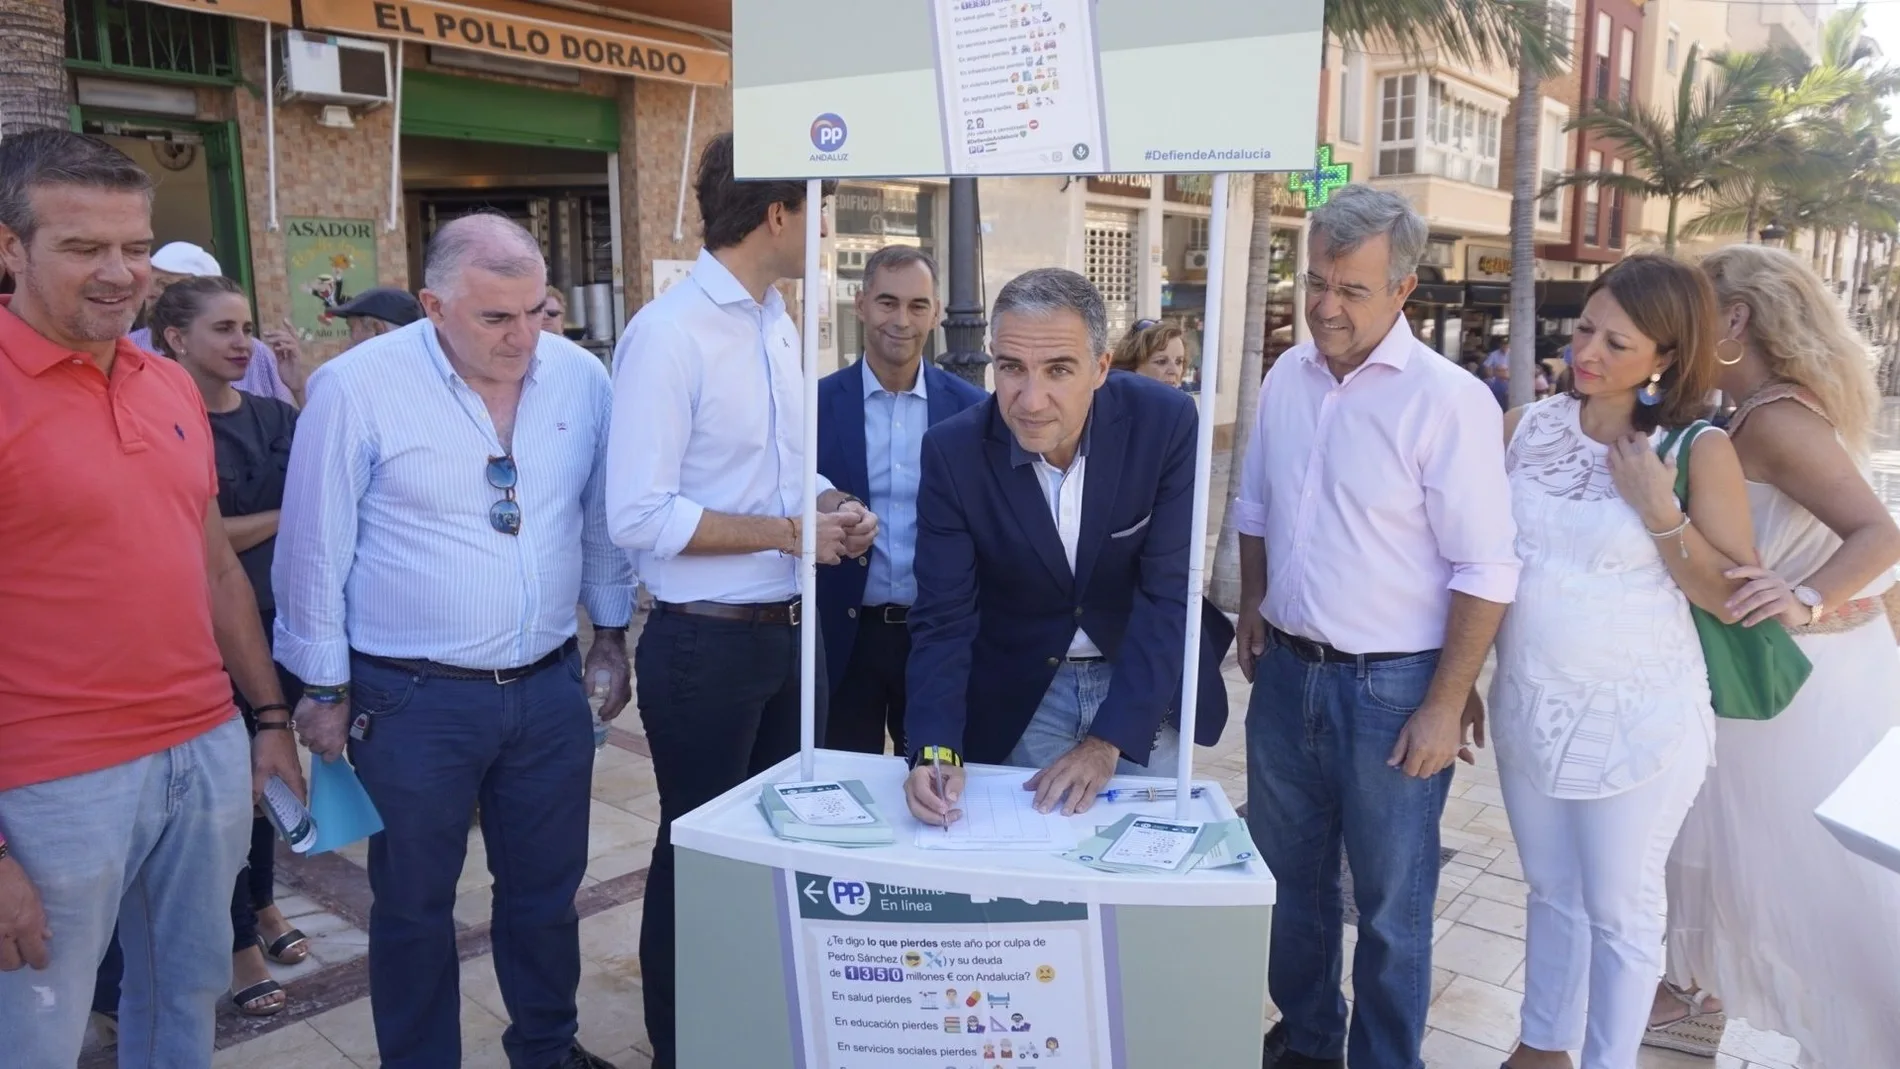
{"x": 432, "y": 344}
{"x": 872, "y": 387}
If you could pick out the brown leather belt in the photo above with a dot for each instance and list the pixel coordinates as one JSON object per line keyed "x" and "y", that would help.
{"x": 501, "y": 677}
{"x": 1320, "y": 653}
{"x": 780, "y": 613}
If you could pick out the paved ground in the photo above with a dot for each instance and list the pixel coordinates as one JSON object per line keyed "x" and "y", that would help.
{"x": 1476, "y": 985}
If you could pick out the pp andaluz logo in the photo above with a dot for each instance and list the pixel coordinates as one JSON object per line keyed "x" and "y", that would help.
{"x": 828, "y": 134}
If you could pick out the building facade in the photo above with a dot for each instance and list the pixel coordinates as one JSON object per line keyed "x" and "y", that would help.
{"x": 389, "y": 119}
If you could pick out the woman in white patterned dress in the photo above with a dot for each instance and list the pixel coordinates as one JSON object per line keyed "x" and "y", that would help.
{"x": 1600, "y": 706}
{"x": 1794, "y": 932}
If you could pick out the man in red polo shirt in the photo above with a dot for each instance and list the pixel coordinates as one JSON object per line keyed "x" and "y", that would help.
{"x": 126, "y": 780}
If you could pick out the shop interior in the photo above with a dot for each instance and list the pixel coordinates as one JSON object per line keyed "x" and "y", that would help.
{"x": 560, "y": 195}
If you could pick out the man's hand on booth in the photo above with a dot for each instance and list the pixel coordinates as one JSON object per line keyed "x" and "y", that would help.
{"x": 920, "y": 790}
{"x": 1078, "y": 776}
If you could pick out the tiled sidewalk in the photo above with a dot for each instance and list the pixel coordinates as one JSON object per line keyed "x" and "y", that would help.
{"x": 1476, "y": 985}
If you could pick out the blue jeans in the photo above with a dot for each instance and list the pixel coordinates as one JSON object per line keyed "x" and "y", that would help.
{"x": 435, "y": 746}
{"x": 1318, "y": 736}
{"x": 1068, "y": 708}
{"x": 153, "y": 844}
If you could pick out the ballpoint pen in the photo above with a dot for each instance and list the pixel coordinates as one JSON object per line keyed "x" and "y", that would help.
{"x": 936, "y": 783}
{"x": 1147, "y": 794}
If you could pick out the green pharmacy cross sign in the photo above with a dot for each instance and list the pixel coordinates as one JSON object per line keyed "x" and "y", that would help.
{"x": 1318, "y": 184}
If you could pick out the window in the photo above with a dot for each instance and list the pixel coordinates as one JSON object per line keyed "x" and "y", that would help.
{"x": 1603, "y": 56}
{"x": 1624, "y": 63}
{"x": 182, "y": 45}
{"x": 1563, "y": 17}
{"x": 1670, "y": 49}
{"x": 1459, "y": 139}
{"x": 1352, "y": 97}
{"x": 1592, "y": 197}
{"x": 1616, "y": 209}
{"x": 1440, "y": 252}
{"x": 1550, "y": 206}
{"x": 1398, "y": 124}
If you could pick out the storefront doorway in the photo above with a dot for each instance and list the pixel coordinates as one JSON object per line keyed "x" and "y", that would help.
{"x": 200, "y": 182}
{"x": 462, "y": 142}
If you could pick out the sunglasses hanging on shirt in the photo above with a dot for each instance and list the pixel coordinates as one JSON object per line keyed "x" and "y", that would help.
{"x": 505, "y": 516}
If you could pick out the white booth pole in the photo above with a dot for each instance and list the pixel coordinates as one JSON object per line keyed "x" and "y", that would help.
{"x": 1203, "y": 474}
{"x": 808, "y": 553}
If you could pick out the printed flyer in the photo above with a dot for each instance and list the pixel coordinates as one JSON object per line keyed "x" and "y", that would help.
{"x": 1020, "y": 83}
{"x": 907, "y": 978}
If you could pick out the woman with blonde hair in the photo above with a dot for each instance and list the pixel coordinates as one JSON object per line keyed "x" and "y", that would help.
{"x": 1766, "y": 910}
{"x": 1155, "y": 348}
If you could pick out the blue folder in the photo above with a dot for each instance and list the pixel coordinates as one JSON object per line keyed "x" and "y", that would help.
{"x": 340, "y": 806}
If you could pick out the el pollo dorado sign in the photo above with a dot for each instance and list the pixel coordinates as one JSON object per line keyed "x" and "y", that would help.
{"x": 524, "y": 31}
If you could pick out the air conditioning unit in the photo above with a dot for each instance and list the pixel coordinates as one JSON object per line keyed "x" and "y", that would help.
{"x": 1197, "y": 259}
{"x": 334, "y": 70}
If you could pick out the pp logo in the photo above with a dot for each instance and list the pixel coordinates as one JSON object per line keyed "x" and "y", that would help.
{"x": 828, "y": 133}
{"x": 849, "y": 897}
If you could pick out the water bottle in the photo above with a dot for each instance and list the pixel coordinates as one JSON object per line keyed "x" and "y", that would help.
{"x": 289, "y": 816}
{"x": 598, "y": 686}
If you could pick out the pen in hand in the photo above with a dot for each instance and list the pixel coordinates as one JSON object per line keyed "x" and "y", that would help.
{"x": 936, "y": 784}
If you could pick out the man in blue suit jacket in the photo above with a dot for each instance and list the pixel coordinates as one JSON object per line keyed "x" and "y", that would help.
{"x": 871, "y": 422}
{"x": 1052, "y": 565}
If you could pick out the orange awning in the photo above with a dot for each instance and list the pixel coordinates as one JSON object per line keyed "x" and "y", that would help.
{"x": 277, "y": 11}
{"x": 529, "y": 31}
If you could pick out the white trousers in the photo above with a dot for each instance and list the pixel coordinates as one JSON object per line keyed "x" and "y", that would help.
{"x": 1595, "y": 939}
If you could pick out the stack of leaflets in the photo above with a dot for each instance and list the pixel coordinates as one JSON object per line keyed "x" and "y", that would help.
{"x": 1138, "y": 844}
{"x": 839, "y": 812}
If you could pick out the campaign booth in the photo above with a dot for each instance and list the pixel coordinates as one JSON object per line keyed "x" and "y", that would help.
{"x": 1006, "y": 939}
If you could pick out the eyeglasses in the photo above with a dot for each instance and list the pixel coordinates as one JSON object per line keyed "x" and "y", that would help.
{"x": 505, "y": 516}
{"x": 1145, "y": 324}
{"x": 1317, "y": 288}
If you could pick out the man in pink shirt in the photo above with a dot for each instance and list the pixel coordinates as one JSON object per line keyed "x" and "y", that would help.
{"x": 1376, "y": 563}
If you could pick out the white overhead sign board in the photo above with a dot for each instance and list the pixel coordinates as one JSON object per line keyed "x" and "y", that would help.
{"x": 893, "y": 88}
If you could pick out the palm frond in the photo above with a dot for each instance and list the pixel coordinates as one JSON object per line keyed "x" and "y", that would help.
{"x": 1489, "y": 31}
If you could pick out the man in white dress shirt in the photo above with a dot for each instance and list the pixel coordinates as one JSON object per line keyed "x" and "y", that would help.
{"x": 443, "y": 515}
{"x": 1376, "y": 562}
{"x": 705, "y": 484}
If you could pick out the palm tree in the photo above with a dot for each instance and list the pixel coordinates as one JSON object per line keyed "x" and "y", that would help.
{"x": 32, "y": 66}
{"x": 1525, "y": 119}
{"x": 1466, "y": 30}
{"x": 1693, "y": 151}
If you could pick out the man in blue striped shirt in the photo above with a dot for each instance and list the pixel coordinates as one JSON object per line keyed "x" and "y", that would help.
{"x": 443, "y": 514}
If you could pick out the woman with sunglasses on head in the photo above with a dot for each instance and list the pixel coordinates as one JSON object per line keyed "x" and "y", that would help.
{"x": 205, "y": 325}
{"x": 1601, "y": 705}
{"x": 1766, "y": 910}
{"x": 1153, "y": 348}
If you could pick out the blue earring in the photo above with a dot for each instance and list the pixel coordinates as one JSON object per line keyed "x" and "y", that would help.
{"x": 1651, "y": 394}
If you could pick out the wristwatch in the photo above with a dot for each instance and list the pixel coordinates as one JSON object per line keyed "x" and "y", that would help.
{"x": 1810, "y": 597}
{"x": 940, "y": 755}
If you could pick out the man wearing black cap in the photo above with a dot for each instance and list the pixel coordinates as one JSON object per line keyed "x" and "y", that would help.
{"x": 378, "y": 310}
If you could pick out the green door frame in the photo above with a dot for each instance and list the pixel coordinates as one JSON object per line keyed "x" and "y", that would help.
{"x": 224, "y": 159}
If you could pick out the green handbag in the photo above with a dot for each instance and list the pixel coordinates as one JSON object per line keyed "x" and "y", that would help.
{"x": 1754, "y": 672}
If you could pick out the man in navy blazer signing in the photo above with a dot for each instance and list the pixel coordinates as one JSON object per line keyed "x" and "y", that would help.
{"x": 871, "y": 421}
{"x": 1052, "y": 557}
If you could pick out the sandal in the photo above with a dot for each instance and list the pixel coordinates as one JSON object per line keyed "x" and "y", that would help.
{"x": 291, "y": 948}
{"x": 1696, "y": 1032}
{"x": 263, "y": 999}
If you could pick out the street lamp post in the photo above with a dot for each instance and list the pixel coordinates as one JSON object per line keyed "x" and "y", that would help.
{"x": 963, "y": 323}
